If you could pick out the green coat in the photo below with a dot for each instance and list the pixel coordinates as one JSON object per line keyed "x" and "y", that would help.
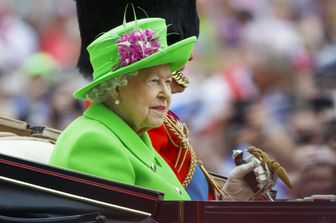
{"x": 101, "y": 144}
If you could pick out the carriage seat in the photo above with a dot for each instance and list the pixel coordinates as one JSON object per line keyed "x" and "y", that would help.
{"x": 19, "y": 139}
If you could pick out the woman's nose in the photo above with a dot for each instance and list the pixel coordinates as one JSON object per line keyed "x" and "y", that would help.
{"x": 165, "y": 91}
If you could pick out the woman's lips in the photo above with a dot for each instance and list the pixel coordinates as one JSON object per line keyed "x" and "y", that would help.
{"x": 160, "y": 109}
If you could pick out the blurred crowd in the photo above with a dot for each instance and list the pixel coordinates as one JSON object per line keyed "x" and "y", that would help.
{"x": 39, "y": 41}
{"x": 263, "y": 74}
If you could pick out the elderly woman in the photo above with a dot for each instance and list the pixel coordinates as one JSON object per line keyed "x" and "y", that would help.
{"x": 131, "y": 93}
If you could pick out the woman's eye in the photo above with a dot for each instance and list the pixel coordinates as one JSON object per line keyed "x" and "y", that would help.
{"x": 169, "y": 81}
{"x": 154, "y": 81}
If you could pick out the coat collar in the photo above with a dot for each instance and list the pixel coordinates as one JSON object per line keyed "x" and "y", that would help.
{"x": 139, "y": 146}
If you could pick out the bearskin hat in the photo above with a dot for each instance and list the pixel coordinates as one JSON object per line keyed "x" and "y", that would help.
{"x": 96, "y": 17}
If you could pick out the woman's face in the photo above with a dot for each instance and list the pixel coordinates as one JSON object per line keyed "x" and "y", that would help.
{"x": 146, "y": 99}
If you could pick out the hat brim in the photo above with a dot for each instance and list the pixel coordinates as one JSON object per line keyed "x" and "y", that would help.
{"x": 176, "y": 55}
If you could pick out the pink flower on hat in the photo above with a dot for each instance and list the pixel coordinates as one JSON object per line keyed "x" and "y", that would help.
{"x": 137, "y": 45}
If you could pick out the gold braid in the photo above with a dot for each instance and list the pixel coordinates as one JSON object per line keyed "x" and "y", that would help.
{"x": 181, "y": 79}
{"x": 192, "y": 168}
{"x": 180, "y": 130}
{"x": 172, "y": 141}
{"x": 274, "y": 166}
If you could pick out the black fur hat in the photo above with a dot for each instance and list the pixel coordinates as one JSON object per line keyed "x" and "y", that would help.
{"x": 96, "y": 17}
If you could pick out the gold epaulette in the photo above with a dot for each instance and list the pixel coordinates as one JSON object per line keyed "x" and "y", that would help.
{"x": 181, "y": 79}
{"x": 180, "y": 131}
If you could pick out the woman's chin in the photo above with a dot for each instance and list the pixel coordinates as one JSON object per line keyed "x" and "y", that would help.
{"x": 151, "y": 125}
{"x": 156, "y": 123}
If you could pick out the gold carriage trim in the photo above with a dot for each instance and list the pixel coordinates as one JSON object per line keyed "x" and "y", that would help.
{"x": 180, "y": 130}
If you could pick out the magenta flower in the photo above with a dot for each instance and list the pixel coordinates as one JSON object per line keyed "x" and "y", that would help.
{"x": 137, "y": 45}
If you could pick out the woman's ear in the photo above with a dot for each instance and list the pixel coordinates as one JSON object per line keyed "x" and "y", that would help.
{"x": 113, "y": 99}
{"x": 115, "y": 94}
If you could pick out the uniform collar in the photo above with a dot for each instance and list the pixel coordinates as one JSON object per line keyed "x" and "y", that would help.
{"x": 139, "y": 146}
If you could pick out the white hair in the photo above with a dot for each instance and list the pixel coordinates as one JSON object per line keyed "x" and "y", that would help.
{"x": 102, "y": 91}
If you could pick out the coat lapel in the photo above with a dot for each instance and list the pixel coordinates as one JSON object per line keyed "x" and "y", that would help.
{"x": 140, "y": 147}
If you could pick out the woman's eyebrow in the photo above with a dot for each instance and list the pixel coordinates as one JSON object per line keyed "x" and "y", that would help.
{"x": 155, "y": 74}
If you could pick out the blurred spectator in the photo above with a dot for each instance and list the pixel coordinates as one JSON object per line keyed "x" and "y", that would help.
{"x": 330, "y": 134}
{"x": 65, "y": 108}
{"x": 60, "y": 40}
{"x": 17, "y": 39}
{"x": 318, "y": 177}
{"x": 32, "y": 105}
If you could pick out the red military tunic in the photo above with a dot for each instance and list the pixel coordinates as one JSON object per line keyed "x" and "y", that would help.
{"x": 172, "y": 143}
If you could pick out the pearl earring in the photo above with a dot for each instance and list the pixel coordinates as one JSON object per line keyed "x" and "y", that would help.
{"x": 117, "y": 102}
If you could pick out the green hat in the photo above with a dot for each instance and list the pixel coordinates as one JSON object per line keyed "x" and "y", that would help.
{"x": 107, "y": 52}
